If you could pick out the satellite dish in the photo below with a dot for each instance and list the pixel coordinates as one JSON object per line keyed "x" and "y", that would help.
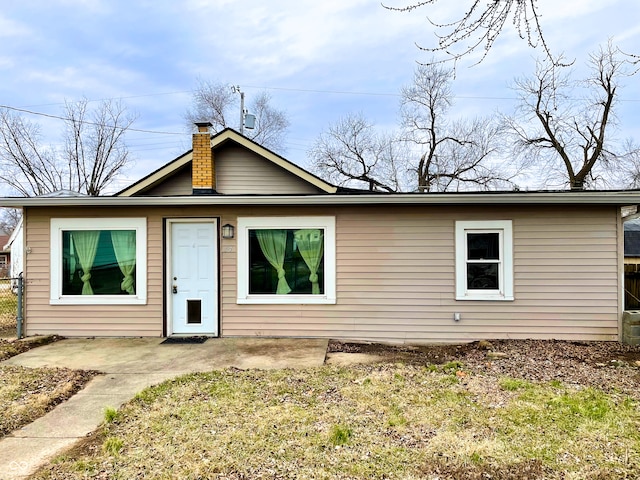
{"x": 249, "y": 121}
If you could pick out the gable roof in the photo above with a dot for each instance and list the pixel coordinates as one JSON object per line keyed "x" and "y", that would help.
{"x": 217, "y": 140}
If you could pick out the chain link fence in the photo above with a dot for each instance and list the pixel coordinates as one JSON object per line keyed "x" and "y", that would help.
{"x": 11, "y": 306}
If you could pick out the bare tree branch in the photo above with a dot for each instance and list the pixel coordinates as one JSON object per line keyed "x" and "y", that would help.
{"x": 351, "y": 151}
{"x": 211, "y": 102}
{"x": 451, "y": 154}
{"x": 271, "y": 124}
{"x": 93, "y": 155}
{"x": 481, "y": 25}
{"x": 439, "y": 154}
{"x": 28, "y": 167}
{"x": 95, "y": 147}
{"x": 217, "y": 103}
{"x": 551, "y": 124}
{"x": 9, "y": 218}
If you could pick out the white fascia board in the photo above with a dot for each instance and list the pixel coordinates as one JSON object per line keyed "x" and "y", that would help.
{"x": 542, "y": 198}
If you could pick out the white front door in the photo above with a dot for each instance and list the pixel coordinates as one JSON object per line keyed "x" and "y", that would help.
{"x": 193, "y": 277}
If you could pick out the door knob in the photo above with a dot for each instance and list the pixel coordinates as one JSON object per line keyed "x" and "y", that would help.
{"x": 175, "y": 289}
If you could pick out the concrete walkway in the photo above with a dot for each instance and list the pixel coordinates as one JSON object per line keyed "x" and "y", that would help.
{"x": 130, "y": 365}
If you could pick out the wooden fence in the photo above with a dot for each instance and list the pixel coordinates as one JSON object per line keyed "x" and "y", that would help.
{"x": 631, "y": 286}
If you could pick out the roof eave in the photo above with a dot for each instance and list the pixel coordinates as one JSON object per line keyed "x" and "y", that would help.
{"x": 619, "y": 198}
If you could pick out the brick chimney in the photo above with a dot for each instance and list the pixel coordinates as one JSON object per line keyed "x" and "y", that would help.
{"x": 203, "y": 169}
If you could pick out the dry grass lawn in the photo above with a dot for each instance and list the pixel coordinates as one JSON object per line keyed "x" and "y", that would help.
{"x": 8, "y": 307}
{"x": 384, "y": 421}
{"x": 28, "y": 393}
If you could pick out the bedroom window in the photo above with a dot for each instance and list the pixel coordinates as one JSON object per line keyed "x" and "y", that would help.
{"x": 484, "y": 260}
{"x": 98, "y": 261}
{"x": 286, "y": 260}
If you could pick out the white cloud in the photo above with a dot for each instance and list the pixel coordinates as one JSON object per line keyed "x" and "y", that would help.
{"x": 13, "y": 28}
{"x": 112, "y": 48}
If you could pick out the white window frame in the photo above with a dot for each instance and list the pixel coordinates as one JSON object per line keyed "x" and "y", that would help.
{"x": 505, "y": 265}
{"x": 59, "y": 225}
{"x": 328, "y": 224}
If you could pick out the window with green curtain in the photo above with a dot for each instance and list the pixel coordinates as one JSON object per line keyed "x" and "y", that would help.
{"x": 286, "y": 261}
{"x": 98, "y": 262}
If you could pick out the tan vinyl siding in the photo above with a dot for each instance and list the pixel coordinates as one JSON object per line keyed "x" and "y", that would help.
{"x": 395, "y": 277}
{"x": 178, "y": 184}
{"x": 89, "y": 320}
{"x": 240, "y": 171}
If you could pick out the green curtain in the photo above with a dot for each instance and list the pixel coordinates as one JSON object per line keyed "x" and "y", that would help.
{"x": 124, "y": 247}
{"x": 86, "y": 245}
{"x": 311, "y": 247}
{"x": 273, "y": 244}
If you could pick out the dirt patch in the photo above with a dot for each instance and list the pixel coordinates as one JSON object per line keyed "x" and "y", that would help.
{"x": 11, "y": 348}
{"x": 411, "y": 354}
{"x": 610, "y": 366}
{"x": 529, "y": 470}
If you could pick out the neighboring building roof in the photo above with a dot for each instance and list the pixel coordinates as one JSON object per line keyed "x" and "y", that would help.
{"x": 217, "y": 140}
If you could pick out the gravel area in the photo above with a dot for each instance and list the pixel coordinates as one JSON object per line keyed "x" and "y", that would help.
{"x": 609, "y": 366}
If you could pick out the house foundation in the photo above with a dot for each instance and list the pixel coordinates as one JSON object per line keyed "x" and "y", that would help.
{"x": 631, "y": 327}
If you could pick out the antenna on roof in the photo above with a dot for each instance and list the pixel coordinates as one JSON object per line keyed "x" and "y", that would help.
{"x": 247, "y": 120}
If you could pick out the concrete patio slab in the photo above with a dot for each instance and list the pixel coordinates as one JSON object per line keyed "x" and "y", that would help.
{"x": 129, "y": 366}
{"x": 149, "y": 355}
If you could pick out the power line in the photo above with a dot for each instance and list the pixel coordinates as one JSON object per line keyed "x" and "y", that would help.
{"x": 338, "y": 92}
{"x": 178, "y": 92}
{"x": 288, "y": 89}
{"x": 57, "y": 117}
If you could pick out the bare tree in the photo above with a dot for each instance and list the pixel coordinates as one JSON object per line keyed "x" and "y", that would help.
{"x": 94, "y": 150}
{"x": 564, "y": 126}
{"x": 352, "y": 153}
{"x": 467, "y": 159}
{"x": 27, "y": 166}
{"x": 271, "y": 124}
{"x": 9, "y": 218}
{"x": 429, "y": 152}
{"x": 212, "y": 102}
{"x": 217, "y": 103}
{"x": 481, "y": 24}
{"x": 452, "y": 155}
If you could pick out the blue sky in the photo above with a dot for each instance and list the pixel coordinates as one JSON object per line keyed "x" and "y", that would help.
{"x": 318, "y": 60}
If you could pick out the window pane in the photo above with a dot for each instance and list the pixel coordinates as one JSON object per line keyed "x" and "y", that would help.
{"x": 483, "y": 246}
{"x": 286, "y": 261}
{"x": 482, "y": 276}
{"x": 95, "y": 262}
